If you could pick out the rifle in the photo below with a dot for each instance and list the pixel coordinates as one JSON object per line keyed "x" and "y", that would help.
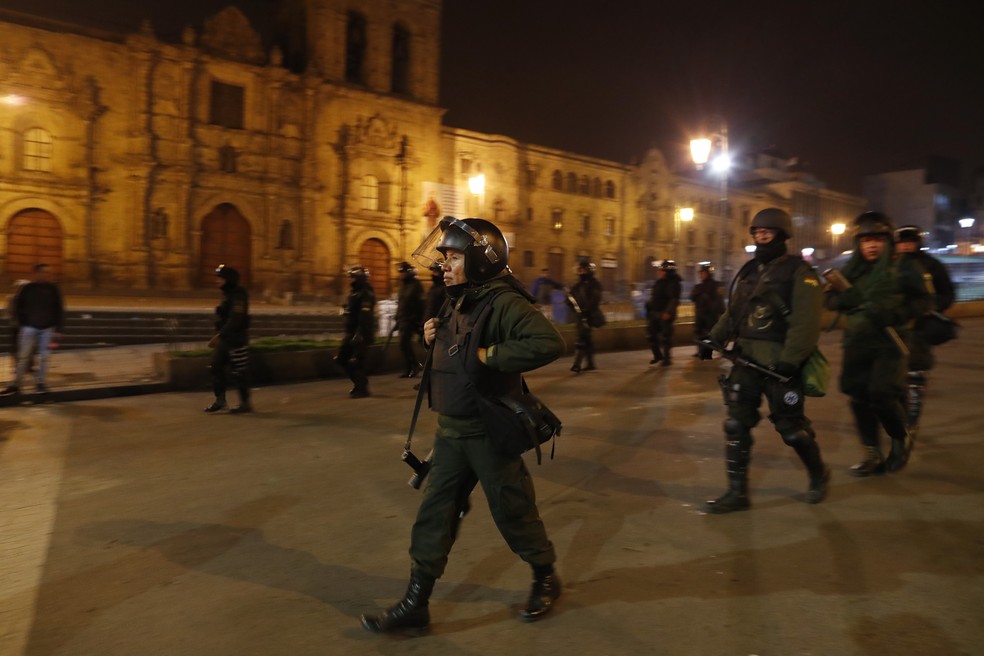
{"x": 742, "y": 361}
{"x": 841, "y": 284}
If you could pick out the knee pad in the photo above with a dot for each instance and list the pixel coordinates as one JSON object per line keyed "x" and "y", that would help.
{"x": 733, "y": 429}
{"x": 799, "y": 437}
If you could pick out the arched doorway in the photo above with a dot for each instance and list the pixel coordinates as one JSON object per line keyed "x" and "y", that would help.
{"x": 374, "y": 256}
{"x": 33, "y": 236}
{"x": 226, "y": 239}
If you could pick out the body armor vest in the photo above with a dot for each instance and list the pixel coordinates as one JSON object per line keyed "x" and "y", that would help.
{"x": 762, "y": 296}
{"x": 457, "y": 376}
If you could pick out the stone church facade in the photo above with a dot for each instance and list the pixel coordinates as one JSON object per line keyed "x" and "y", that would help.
{"x": 128, "y": 162}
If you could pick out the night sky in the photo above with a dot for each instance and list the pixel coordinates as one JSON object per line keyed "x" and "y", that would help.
{"x": 850, "y": 87}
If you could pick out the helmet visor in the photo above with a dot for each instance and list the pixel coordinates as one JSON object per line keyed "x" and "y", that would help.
{"x": 426, "y": 254}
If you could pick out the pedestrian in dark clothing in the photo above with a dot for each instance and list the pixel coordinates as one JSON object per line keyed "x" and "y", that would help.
{"x": 40, "y": 311}
{"x": 409, "y": 317}
{"x": 773, "y": 316}
{"x": 491, "y": 334}
{"x": 231, "y": 343}
{"x": 662, "y": 311}
{"x": 436, "y": 295}
{"x": 360, "y": 331}
{"x": 542, "y": 288}
{"x": 708, "y": 298}
{"x": 881, "y": 296}
{"x": 11, "y": 311}
{"x": 908, "y": 243}
{"x": 585, "y": 300}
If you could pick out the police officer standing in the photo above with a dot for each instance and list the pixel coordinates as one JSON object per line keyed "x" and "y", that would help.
{"x": 908, "y": 243}
{"x": 586, "y": 302}
{"x": 708, "y": 298}
{"x": 231, "y": 344}
{"x": 515, "y": 338}
{"x": 662, "y": 311}
{"x": 881, "y": 295}
{"x": 360, "y": 331}
{"x": 774, "y": 317}
{"x": 409, "y": 316}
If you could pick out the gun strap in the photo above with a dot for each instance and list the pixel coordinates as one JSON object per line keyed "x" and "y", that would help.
{"x": 424, "y": 379}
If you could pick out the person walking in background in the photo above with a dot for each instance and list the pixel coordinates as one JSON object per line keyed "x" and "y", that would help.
{"x": 773, "y": 316}
{"x": 908, "y": 243}
{"x": 881, "y": 296}
{"x": 483, "y": 343}
{"x": 409, "y": 317}
{"x": 662, "y": 311}
{"x": 231, "y": 343}
{"x": 39, "y": 312}
{"x": 542, "y": 288}
{"x": 360, "y": 331}
{"x": 708, "y": 298}
{"x": 585, "y": 300}
{"x": 11, "y": 311}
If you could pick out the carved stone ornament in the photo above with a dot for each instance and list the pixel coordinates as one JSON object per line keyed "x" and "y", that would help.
{"x": 376, "y": 132}
{"x": 230, "y": 35}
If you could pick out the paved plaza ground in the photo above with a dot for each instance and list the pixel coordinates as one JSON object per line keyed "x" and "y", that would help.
{"x": 137, "y": 526}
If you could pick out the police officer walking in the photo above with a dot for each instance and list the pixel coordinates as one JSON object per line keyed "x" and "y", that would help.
{"x": 360, "y": 331}
{"x": 662, "y": 311}
{"x": 231, "y": 344}
{"x": 409, "y": 316}
{"x": 908, "y": 243}
{"x": 510, "y": 336}
{"x": 881, "y": 295}
{"x": 586, "y": 302}
{"x": 774, "y": 317}
{"x": 708, "y": 298}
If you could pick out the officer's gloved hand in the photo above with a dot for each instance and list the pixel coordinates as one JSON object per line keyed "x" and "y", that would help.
{"x": 786, "y": 369}
{"x": 709, "y": 343}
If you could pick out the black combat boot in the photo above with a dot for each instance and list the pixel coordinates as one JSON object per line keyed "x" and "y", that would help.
{"x": 899, "y": 455}
{"x": 872, "y": 465}
{"x": 737, "y": 454}
{"x": 411, "y": 612}
{"x": 819, "y": 473}
{"x": 218, "y": 405}
{"x": 545, "y": 591}
{"x": 576, "y": 367}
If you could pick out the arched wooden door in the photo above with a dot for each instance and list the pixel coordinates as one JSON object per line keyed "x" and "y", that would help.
{"x": 33, "y": 236}
{"x": 226, "y": 239}
{"x": 374, "y": 256}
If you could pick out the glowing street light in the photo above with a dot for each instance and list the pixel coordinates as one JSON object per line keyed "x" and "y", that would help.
{"x": 476, "y": 185}
{"x": 13, "y": 100}
{"x": 836, "y": 230}
{"x": 682, "y": 214}
{"x": 700, "y": 151}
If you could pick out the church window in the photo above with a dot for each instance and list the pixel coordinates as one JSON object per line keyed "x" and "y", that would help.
{"x": 37, "y": 150}
{"x": 227, "y": 105}
{"x": 355, "y": 49}
{"x": 401, "y": 60}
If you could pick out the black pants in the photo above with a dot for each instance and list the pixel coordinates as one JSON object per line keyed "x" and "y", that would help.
{"x": 236, "y": 362}
{"x": 352, "y": 358}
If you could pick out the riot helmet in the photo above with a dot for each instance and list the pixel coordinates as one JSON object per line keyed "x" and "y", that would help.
{"x": 911, "y": 233}
{"x": 775, "y": 219}
{"x": 667, "y": 265}
{"x": 227, "y": 273}
{"x": 358, "y": 273}
{"x": 706, "y": 267}
{"x": 481, "y": 242}
{"x": 586, "y": 265}
{"x": 873, "y": 224}
{"x": 405, "y": 267}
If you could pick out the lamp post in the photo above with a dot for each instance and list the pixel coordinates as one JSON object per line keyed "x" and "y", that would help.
{"x": 836, "y": 230}
{"x": 701, "y": 150}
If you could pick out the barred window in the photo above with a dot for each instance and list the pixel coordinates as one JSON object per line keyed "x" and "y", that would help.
{"x": 37, "y": 150}
{"x": 370, "y": 193}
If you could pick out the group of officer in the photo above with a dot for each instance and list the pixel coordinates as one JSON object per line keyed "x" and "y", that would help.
{"x": 484, "y": 330}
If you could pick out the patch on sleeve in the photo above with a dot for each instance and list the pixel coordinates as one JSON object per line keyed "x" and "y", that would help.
{"x": 813, "y": 282}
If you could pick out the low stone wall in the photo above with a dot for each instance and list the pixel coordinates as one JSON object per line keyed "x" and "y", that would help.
{"x": 191, "y": 373}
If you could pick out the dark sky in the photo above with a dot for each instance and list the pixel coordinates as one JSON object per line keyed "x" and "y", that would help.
{"x": 851, "y": 87}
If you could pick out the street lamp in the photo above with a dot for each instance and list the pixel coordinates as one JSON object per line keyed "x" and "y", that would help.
{"x": 476, "y": 185}
{"x": 836, "y": 230}
{"x": 700, "y": 151}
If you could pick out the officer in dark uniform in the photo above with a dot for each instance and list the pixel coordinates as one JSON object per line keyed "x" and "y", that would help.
{"x": 360, "y": 331}
{"x": 708, "y": 298}
{"x": 586, "y": 294}
{"x": 662, "y": 312}
{"x": 231, "y": 344}
{"x": 908, "y": 243}
{"x": 409, "y": 316}
{"x": 774, "y": 317}
{"x": 517, "y": 338}
{"x": 882, "y": 297}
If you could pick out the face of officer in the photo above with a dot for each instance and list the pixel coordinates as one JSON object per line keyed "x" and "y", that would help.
{"x": 763, "y": 235}
{"x": 454, "y": 268}
{"x": 906, "y": 247}
{"x": 872, "y": 246}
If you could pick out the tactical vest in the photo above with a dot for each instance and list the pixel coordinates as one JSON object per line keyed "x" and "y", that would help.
{"x": 761, "y": 298}
{"x": 456, "y": 374}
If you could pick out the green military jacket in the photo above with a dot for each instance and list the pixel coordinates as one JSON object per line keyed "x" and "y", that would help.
{"x": 774, "y": 311}
{"x": 518, "y": 338}
{"x": 889, "y": 292}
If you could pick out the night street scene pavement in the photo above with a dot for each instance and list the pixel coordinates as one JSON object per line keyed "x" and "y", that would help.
{"x": 138, "y": 525}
